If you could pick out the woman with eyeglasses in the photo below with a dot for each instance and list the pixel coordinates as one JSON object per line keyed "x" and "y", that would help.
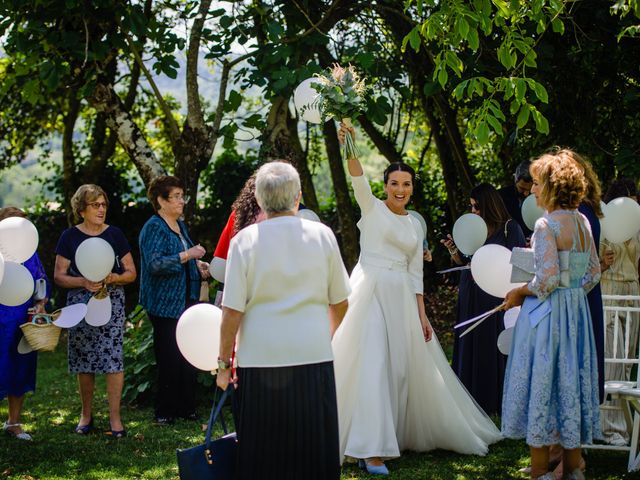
{"x": 170, "y": 276}
{"x": 95, "y": 349}
{"x": 476, "y": 359}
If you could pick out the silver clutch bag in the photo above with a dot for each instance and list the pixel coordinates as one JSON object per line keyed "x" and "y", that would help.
{"x": 522, "y": 269}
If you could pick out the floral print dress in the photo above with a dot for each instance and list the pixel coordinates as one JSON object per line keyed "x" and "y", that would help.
{"x": 551, "y": 383}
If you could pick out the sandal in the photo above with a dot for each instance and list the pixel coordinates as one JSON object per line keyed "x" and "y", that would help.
{"x": 84, "y": 429}
{"x": 18, "y": 436}
{"x": 116, "y": 433}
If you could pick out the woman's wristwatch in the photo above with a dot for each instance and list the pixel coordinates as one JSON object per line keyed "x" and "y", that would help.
{"x": 453, "y": 251}
{"x": 224, "y": 364}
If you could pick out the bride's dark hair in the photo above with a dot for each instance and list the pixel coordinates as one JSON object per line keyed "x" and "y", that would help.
{"x": 399, "y": 167}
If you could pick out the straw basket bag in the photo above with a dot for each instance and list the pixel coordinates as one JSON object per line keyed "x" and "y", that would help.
{"x": 42, "y": 337}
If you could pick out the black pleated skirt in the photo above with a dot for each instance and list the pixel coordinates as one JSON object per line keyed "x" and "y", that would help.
{"x": 287, "y": 423}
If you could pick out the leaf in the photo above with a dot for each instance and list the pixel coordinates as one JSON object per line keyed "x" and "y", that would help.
{"x": 523, "y": 116}
{"x": 226, "y": 21}
{"x": 504, "y": 56}
{"x": 473, "y": 39}
{"x": 454, "y": 62}
{"x": 458, "y": 92}
{"x": 530, "y": 59}
{"x": 495, "y": 124}
{"x": 514, "y": 106}
{"x": 443, "y": 76}
{"x": 31, "y": 91}
{"x": 541, "y": 92}
{"x": 233, "y": 101}
{"x": 482, "y": 133}
{"x": 462, "y": 27}
{"x": 275, "y": 31}
{"x": 365, "y": 59}
{"x": 542, "y": 124}
{"x": 521, "y": 88}
{"x": 414, "y": 39}
{"x": 557, "y": 25}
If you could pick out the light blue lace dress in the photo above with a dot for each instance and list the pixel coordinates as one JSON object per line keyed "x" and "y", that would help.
{"x": 551, "y": 383}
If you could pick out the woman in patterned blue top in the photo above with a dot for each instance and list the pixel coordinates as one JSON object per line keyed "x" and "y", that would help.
{"x": 551, "y": 383}
{"x": 170, "y": 275}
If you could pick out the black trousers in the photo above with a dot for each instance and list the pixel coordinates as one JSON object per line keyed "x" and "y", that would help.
{"x": 175, "y": 393}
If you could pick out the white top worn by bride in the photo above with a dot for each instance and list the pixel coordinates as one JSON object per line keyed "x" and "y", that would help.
{"x": 396, "y": 392}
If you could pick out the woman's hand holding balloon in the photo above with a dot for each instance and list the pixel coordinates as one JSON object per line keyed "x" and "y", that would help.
{"x": 607, "y": 260}
{"x": 93, "y": 287}
{"x": 514, "y": 298}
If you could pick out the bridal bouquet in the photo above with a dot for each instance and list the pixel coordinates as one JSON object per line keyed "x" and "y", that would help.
{"x": 341, "y": 96}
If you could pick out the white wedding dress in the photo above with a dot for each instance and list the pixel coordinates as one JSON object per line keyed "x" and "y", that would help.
{"x": 396, "y": 392}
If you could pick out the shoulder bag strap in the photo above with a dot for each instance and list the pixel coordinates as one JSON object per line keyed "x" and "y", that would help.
{"x": 215, "y": 412}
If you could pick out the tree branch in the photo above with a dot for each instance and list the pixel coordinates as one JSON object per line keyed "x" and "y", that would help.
{"x": 222, "y": 92}
{"x": 195, "y": 117}
{"x": 383, "y": 144}
{"x": 172, "y": 125}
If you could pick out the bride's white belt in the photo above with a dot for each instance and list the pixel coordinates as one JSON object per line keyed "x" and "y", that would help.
{"x": 375, "y": 260}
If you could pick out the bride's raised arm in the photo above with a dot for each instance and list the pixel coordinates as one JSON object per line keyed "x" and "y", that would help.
{"x": 361, "y": 187}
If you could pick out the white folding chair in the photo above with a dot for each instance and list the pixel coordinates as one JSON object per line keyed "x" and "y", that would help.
{"x": 626, "y": 391}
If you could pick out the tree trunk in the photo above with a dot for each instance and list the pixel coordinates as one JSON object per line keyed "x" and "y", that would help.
{"x": 68, "y": 157}
{"x": 193, "y": 152}
{"x": 280, "y": 141}
{"x": 105, "y": 99}
{"x": 346, "y": 218}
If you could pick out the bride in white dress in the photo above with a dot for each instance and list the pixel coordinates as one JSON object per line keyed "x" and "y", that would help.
{"x": 395, "y": 388}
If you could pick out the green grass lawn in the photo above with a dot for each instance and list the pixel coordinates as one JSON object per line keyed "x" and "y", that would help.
{"x": 149, "y": 451}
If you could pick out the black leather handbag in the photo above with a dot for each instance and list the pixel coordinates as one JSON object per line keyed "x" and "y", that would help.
{"x": 213, "y": 460}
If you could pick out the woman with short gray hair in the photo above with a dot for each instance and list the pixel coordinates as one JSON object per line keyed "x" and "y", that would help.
{"x": 286, "y": 292}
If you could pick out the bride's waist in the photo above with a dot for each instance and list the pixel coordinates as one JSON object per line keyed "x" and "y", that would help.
{"x": 382, "y": 261}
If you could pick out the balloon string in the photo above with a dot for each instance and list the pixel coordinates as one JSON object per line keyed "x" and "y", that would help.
{"x": 479, "y": 317}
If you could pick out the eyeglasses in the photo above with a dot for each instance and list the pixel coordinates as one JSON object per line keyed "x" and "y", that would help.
{"x": 179, "y": 197}
{"x": 97, "y": 205}
{"x": 474, "y": 206}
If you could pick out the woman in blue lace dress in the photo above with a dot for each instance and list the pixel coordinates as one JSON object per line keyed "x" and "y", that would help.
{"x": 551, "y": 382}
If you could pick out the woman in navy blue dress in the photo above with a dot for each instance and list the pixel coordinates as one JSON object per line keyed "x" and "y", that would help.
{"x": 17, "y": 370}
{"x": 95, "y": 349}
{"x": 476, "y": 359}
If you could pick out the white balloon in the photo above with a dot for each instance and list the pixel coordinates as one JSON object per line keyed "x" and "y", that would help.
{"x": 217, "y": 268}
{"x": 94, "y": 258}
{"x": 17, "y": 285}
{"x": 304, "y": 97}
{"x": 70, "y": 315}
{"x": 98, "y": 311}
{"x": 491, "y": 270}
{"x": 511, "y": 317}
{"x": 531, "y": 211}
{"x": 18, "y": 239}
{"x": 308, "y": 214}
{"x": 198, "y": 335}
{"x": 505, "y": 339}
{"x": 622, "y": 219}
{"x": 423, "y": 222}
{"x": 1, "y": 267}
{"x": 469, "y": 233}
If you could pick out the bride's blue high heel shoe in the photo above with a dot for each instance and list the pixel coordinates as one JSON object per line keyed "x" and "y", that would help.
{"x": 373, "y": 469}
